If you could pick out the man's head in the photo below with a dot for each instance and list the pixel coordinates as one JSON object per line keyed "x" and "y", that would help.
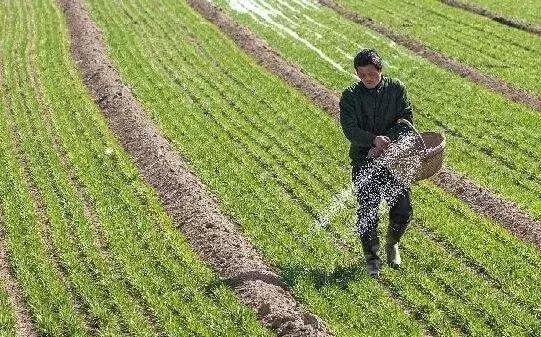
{"x": 368, "y": 66}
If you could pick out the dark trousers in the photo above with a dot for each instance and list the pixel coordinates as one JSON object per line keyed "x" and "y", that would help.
{"x": 372, "y": 184}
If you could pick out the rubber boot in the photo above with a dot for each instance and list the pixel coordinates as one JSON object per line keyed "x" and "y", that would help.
{"x": 373, "y": 264}
{"x": 394, "y": 233}
{"x": 393, "y": 253}
{"x": 370, "y": 245}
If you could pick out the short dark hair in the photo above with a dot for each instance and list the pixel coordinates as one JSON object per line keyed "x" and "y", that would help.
{"x": 366, "y": 57}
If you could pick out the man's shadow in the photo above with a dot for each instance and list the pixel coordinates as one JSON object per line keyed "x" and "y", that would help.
{"x": 341, "y": 276}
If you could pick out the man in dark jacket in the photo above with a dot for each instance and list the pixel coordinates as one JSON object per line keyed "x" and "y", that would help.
{"x": 369, "y": 111}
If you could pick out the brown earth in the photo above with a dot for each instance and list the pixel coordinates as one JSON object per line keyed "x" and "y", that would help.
{"x": 486, "y": 203}
{"x": 511, "y": 22}
{"x": 267, "y": 57}
{"x": 441, "y": 60}
{"x": 214, "y": 237}
{"x": 88, "y": 207}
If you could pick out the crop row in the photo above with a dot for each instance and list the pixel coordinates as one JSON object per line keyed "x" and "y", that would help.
{"x": 495, "y": 49}
{"x": 106, "y": 257}
{"x": 488, "y": 137}
{"x": 268, "y": 155}
{"x": 197, "y": 129}
{"x": 528, "y": 11}
{"x": 7, "y": 317}
{"x": 454, "y": 207}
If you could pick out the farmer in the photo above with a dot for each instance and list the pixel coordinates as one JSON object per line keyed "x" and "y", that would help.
{"x": 369, "y": 110}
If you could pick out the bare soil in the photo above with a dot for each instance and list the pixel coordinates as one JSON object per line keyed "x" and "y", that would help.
{"x": 508, "y": 21}
{"x": 441, "y": 60}
{"x": 483, "y": 201}
{"x": 214, "y": 237}
{"x": 267, "y": 57}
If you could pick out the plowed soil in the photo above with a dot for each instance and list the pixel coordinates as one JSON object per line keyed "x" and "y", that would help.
{"x": 214, "y": 237}
{"x": 503, "y": 212}
{"x": 441, "y": 60}
{"x": 511, "y": 22}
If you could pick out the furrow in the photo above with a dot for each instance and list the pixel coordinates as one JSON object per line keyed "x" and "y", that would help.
{"x": 441, "y": 60}
{"x": 511, "y": 217}
{"x": 511, "y": 22}
{"x": 213, "y": 236}
{"x": 249, "y": 122}
{"x": 105, "y": 259}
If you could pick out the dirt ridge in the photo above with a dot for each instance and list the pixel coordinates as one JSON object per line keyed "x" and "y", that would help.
{"x": 215, "y": 238}
{"x": 483, "y": 201}
{"x": 88, "y": 208}
{"x": 508, "y": 21}
{"x": 496, "y": 85}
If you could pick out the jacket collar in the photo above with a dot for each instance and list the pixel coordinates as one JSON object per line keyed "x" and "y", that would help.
{"x": 376, "y": 89}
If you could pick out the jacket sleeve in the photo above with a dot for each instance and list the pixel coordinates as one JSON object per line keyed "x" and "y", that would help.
{"x": 404, "y": 108}
{"x": 351, "y": 129}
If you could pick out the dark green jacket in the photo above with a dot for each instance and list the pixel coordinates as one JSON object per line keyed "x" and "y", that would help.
{"x": 367, "y": 113}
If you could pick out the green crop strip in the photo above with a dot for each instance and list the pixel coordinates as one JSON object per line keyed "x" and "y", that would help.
{"x": 488, "y": 137}
{"x": 143, "y": 279}
{"x": 34, "y": 272}
{"x": 270, "y": 157}
{"x": 528, "y": 11}
{"x": 479, "y": 42}
{"x": 7, "y": 318}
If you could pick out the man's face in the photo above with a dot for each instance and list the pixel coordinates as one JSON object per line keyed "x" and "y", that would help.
{"x": 369, "y": 75}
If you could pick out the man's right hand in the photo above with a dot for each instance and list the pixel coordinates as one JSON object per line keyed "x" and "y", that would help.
{"x": 381, "y": 142}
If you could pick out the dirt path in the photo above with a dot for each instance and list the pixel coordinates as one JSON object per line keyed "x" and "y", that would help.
{"x": 508, "y": 21}
{"x": 503, "y": 212}
{"x": 441, "y": 60}
{"x": 215, "y": 238}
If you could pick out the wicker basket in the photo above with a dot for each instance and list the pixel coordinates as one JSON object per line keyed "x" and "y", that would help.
{"x": 432, "y": 159}
{"x": 428, "y": 146}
